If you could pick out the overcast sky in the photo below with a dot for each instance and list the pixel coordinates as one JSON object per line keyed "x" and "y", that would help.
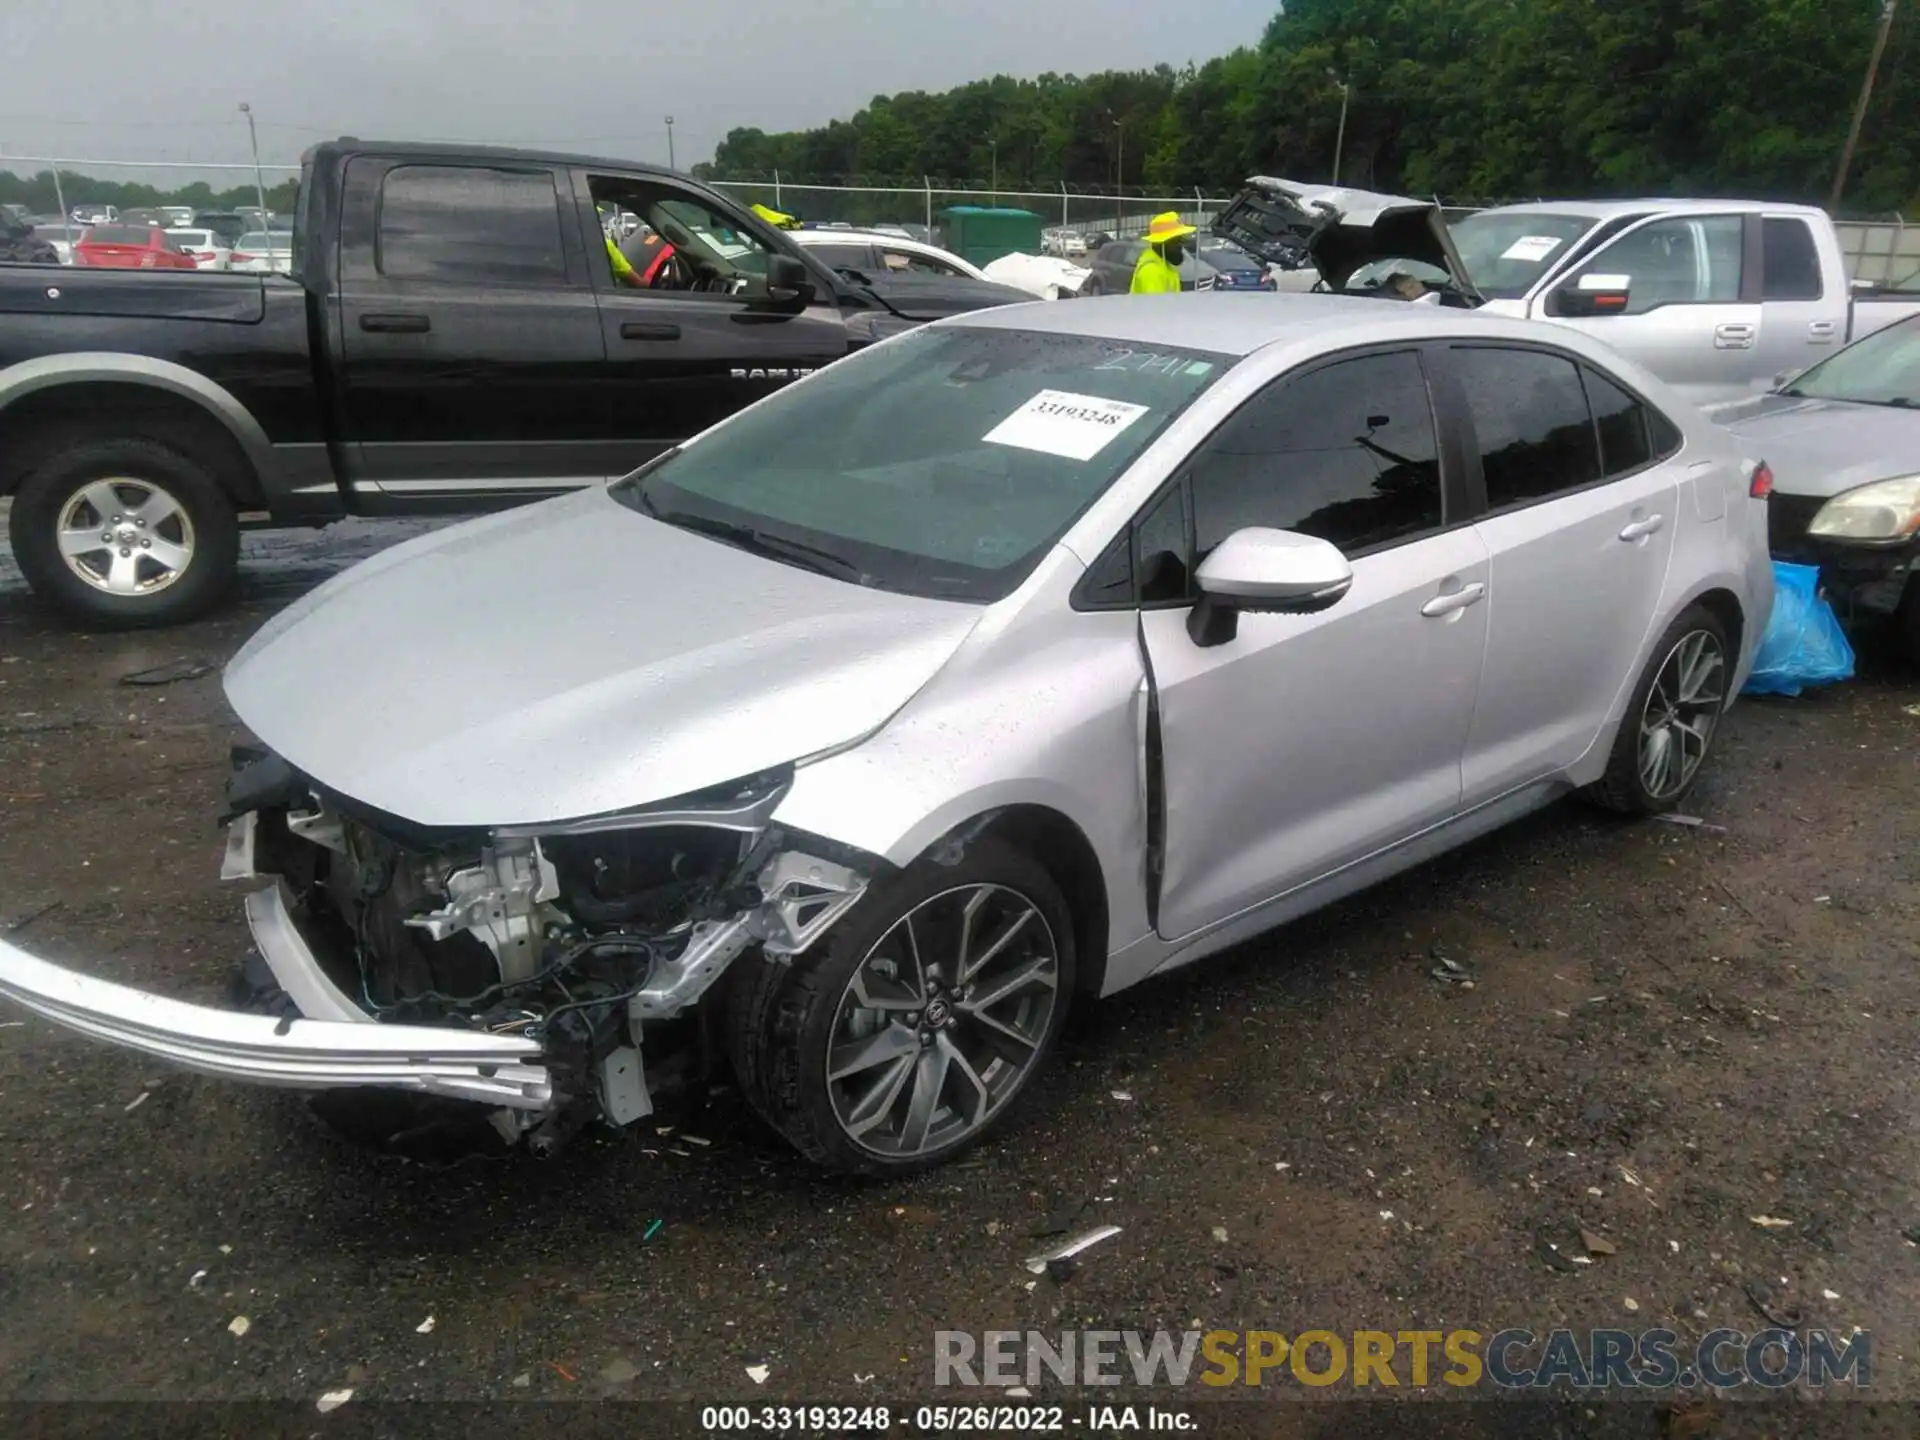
{"x": 162, "y": 79}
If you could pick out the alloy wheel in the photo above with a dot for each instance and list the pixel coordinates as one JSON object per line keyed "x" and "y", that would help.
{"x": 125, "y": 536}
{"x": 1683, "y": 707}
{"x": 943, "y": 1021}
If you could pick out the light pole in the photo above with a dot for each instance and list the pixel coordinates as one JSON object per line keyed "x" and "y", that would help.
{"x": 259, "y": 184}
{"x": 1340, "y": 137}
{"x": 670, "y": 164}
{"x": 994, "y": 147}
{"x": 1860, "y": 110}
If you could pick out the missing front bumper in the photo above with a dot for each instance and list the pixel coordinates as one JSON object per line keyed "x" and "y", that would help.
{"x": 308, "y": 1054}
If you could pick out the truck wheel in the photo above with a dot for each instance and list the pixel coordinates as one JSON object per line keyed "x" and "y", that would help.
{"x": 1671, "y": 719}
{"x": 125, "y": 532}
{"x": 908, "y": 1033}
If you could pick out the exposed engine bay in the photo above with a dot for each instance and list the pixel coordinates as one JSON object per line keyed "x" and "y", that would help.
{"x": 596, "y": 938}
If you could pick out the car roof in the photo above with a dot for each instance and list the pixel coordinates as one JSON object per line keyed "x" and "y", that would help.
{"x": 402, "y": 149}
{"x": 1616, "y": 209}
{"x": 1250, "y": 323}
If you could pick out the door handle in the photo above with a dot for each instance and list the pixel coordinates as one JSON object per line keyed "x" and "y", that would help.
{"x": 1456, "y": 600}
{"x": 640, "y": 330}
{"x": 396, "y": 324}
{"x": 1737, "y": 336}
{"x": 1638, "y": 528}
{"x": 1820, "y": 332}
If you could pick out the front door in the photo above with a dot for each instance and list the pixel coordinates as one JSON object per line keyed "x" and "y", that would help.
{"x": 696, "y": 340}
{"x": 470, "y": 336}
{"x": 1693, "y": 313}
{"x": 1582, "y": 511}
{"x": 1309, "y": 742}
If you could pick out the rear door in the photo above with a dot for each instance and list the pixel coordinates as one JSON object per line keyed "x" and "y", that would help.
{"x": 1804, "y": 324}
{"x": 1581, "y": 511}
{"x": 1693, "y": 314}
{"x": 469, "y": 335}
{"x": 702, "y": 341}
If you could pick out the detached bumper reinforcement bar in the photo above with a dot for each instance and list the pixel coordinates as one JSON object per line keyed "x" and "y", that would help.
{"x": 310, "y": 1054}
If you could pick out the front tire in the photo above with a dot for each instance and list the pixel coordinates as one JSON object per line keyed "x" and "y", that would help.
{"x": 907, "y": 1035}
{"x": 1672, "y": 718}
{"x": 125, "y": 532}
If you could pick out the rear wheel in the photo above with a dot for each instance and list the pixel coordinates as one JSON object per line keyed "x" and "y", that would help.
{"x": 125, "y": 532}
{"x": 910, "y": 1032}
{"x": 1671, "y": 720}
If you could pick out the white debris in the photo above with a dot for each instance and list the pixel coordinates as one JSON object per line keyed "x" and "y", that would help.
{"x": 1019, "y": 1392}
{"x": 425, "y": 1327}
{"x": 137, "y": 1101}
{"x": 758, "y": 1374}
{"x": 332, "y": 1401}
{"x": 1122, "y": 1095}
{"x": 1631, "y": 1304}
{"x": 1386, "y": 1214}
{"x": 226, "y": 1249}
{"x": 1628, "y": 1176}
{"x": 1674, "y": 1246}
{"x": 866, "y": 1379}
{"x": 523, "y": 1381}
{"x": 193, "y": 1281}
{"x": 1595, "y": 1191}
{"x": 1220, "y": 1233}
{"x": 1282, "y": 1165}
{"x": 696, "y": 1140}
{"x": 1829, "y": 1294}
{"x": 1581, "y": 1259}
{"x": 1770, "y": 1222}
{"x": 239, "y": 1326}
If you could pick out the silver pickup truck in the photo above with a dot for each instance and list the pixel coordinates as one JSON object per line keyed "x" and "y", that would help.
{"x": 1719, "y": 298}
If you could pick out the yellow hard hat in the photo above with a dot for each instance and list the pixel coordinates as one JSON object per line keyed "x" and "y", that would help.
{"x": 1167, "y": 226}
{"x": 775, "y": 218}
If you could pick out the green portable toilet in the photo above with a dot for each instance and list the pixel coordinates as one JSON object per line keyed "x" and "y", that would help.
{"x": 982, "y": 234}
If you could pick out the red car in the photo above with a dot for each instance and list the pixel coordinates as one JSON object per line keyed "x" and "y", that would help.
{"x": 130, "y": 247}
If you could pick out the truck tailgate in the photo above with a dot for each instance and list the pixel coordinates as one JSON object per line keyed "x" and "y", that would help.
{"x": 134, "y": 294}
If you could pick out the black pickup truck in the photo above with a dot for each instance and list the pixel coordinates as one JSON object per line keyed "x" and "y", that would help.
{"x": 454, "y": 336}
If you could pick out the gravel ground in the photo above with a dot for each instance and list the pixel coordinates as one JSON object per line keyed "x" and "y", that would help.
{"x": 1669, "y": 1031}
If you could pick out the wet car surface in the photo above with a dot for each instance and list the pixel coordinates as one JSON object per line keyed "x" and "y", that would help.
{"x": 1723, "y": 1015}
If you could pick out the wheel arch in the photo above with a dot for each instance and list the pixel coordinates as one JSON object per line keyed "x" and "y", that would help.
{"x": 140, "y": 395}
{"x": 1062, "y": 849}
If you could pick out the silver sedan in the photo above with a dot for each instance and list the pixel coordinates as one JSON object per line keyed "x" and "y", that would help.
{"x": 1004, "y": 665}
{"x": 1844, "y": 441}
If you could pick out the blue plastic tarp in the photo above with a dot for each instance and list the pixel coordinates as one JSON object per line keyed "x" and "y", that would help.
{"x": 1803, "y": 645}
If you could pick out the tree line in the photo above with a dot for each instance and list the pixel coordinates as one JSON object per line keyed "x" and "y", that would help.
{"x": 1468, "y": 99}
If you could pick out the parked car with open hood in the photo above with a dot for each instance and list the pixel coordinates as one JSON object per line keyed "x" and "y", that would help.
{"x": 141, "y": 415}
{"x": 1001, "y": 666}
{"x": 1843, "y": 438}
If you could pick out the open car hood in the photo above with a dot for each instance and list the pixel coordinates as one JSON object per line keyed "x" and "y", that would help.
{"x": 1337, "y": 230}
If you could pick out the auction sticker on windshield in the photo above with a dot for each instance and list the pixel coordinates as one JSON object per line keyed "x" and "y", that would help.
{"x": 1059, "y": 422}
{"x": 1532, "y": 247}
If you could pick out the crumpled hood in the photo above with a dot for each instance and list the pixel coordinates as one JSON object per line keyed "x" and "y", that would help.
{"x": 572, "y": 658}
{"x": 933, "y": 297}
{"x": 1820, "y": 448}
{"x": 1338, "y": 229}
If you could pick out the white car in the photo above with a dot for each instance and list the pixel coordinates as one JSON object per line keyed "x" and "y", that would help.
{"x": 263, "y": 252}
{"x": 875, "y": 249}
{"x": 208, "y": 250}
{"x": 178, "y": 215}
{"x": 1048, "y": 276}
{"x": 1074, "y": 246}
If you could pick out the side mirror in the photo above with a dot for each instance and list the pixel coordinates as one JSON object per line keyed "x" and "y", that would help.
{"x": 1266, "y": 572}
{"x": 789, "y": 282}
{"x": 1590, "y": 296}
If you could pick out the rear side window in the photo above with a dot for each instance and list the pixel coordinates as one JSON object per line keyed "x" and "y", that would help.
{"x": 1530, "y": 418}
{"x": 1791, "y": 264}
{"x": 1346, "y": 452}
{"x": 1621, "y": 422}
{"x": 119, "y": 235}
{"x": 464, "y": 223}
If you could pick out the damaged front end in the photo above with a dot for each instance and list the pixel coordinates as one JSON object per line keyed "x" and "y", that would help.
{"x": 552, "y": 972}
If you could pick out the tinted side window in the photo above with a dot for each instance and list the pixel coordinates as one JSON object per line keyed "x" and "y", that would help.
{"x": 1621, "y": 422}
{"x": 1791, "y": 268}
{"x": 1531, "y": 420}
{"x": 1161, "y": 543}
{"x": 468, "y": 224}
{"x": 1346, "y": 452}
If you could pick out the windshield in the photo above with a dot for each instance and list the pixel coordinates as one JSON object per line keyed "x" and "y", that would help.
{"x": 1506, "y": 254}
{"x": 943, "y": 463}
{"x": 119, "y": 235}
{"x": 264, "y": 240}
{"x": 1883, "y": 369}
